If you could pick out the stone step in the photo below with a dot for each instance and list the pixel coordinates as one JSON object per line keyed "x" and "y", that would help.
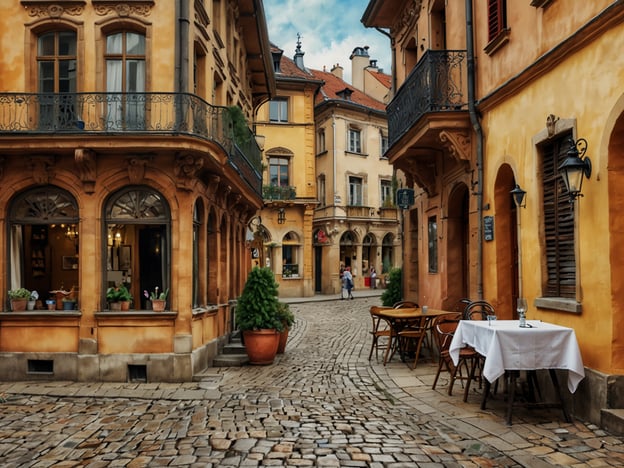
{"x": 234, "y": 348}
{"x": 612, "y": 420}
{"x": 230, "y": 360}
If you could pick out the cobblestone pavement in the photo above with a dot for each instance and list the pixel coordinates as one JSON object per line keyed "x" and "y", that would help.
{"x": 322, "y": 403}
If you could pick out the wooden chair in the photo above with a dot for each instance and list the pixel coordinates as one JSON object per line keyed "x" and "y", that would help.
{"x": 380, "y": 332}
{"x": 412, "y": 338}
{"x": 444, "y": 327}
{"x": 405, "y": 305}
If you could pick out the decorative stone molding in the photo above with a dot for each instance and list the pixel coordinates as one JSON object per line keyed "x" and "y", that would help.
{"x": 123, "y": 9}
{"x": 186, "y": 169}
{"x": 212, "y": 185}
{"x": 457, "y": 143}
{"x": 85, "y": 160}
{"x": 136, "y": 169}
{"x": 551, "y": 124}
{"x": 41, "y": 167}
{"x": 222, "y": 195}
{"x": 54, "y": 9}
{"x": 421, "y": 169}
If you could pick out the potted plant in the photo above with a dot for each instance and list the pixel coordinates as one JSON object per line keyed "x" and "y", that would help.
{"x": 287, "y": 318}
{"x": 118, "y": 298}
{"x": 69, "y": 303}
{"x": 393, "y": 293}
{"x": 257, "y": 316}
{"x": 158, "y": 299}
{"x": 19, "y": 297}
{"x": 32, "y": 300}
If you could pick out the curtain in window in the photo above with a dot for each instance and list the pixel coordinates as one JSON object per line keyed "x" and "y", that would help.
{"x": 17, "y": 245}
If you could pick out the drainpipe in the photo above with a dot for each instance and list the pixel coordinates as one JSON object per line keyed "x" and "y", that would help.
{"x": 476, "y": 125}
{"x": 183, "y": 46}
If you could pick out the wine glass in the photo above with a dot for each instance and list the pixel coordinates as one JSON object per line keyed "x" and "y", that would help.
{"x": 522, "y": 306}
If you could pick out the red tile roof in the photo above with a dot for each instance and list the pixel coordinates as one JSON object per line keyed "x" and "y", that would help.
{"x": 333, "y": 85}
{"x": 383, "y": 78}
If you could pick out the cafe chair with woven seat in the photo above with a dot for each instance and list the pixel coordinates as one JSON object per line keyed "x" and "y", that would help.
{"x": 444, "y": 327}
{"x": 380, "y": 332}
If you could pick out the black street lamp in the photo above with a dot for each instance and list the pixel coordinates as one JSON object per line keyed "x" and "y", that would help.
{"x": 575, "y": 167}
{"x": 518, "y": 196}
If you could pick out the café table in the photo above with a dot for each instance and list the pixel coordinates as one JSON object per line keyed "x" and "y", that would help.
{"x": 399, "y": 319}
{"x": 508, "y": 347}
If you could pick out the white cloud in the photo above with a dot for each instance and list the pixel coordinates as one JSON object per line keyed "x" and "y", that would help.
{"x": 330, "y": 30}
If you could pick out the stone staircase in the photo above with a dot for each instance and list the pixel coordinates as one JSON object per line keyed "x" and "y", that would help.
{"x": 233, "y": 354}
{"x": 612, "y": 420}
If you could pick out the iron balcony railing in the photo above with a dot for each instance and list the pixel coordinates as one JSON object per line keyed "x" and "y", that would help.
{"x": 276, "y": 192}
{"x": 133, "y": 113}
{"x": 437, "y": 84}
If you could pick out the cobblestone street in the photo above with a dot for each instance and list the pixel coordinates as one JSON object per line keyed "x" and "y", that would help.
{"x": 322, "y": 403}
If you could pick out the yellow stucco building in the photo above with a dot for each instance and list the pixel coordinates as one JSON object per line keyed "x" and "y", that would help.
{"x": 126, "y": 159}
{"x": 500, "y": 101}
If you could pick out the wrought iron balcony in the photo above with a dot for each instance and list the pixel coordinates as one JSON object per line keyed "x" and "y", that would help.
{"x": 437, "y": 84}
{"x": 275, "y": 192}
{"x": 121, "y": 114}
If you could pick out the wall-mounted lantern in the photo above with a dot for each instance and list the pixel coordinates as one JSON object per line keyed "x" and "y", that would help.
{"x": 518, "y": 196}
{"x": 575, "y": 167}
{"x": 281, "y": 216}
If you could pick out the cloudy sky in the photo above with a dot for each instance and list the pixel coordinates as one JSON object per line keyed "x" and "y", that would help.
{"x": 330, "y": 30}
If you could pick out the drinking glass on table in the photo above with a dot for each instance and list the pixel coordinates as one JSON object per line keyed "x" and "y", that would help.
{"x": 522, "y": 308}
{"x": 490, "y": 319}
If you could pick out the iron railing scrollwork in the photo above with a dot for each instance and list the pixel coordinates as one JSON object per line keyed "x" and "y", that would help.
{"x": 437, "y": 84}
{"x": 131, "y": 113}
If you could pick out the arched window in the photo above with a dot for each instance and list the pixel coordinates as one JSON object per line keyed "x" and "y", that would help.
{"x": 387, "y": 252}
{"x": 290, "y": 255}
{"x": 138, "y": 247}
{"x": 44, "y": 241}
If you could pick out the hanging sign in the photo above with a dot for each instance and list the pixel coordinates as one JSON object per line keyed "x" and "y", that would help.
{"x": 405, "y": 198}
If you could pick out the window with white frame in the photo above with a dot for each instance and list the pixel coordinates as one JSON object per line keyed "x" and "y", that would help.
{"x": 278, "y": 110}
{"x": 320, "y": 143}
{"x": 386, "y": 195}
{"x": 355, "y": 191}
{"x": 320, "y": 189}
{"x": 384, "y": 145}
{"x": 278, "y": 171}
{"x": 354, "y": 143}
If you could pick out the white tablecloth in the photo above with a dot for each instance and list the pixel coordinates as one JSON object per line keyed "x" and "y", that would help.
{"x": 506, "y": 346}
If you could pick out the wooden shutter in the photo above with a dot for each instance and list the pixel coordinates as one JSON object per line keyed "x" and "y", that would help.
{"x": 558, "y": 224}
{"x": 496, "y": 18}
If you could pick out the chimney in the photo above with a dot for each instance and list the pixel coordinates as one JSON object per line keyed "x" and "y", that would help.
{"x": 298, "y": 58}
{"x": 337, "y": 71}
{"x": 359, "y": 61}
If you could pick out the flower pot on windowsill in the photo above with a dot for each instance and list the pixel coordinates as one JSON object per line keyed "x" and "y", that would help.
{"x": 51, "y": 303}
{"x": 18, "y": 305}
{"x": 114, "y": 306}
{"x": 125, "y": 305}
{"x": 69, "y": 305}
{"x": 158, "y": 305}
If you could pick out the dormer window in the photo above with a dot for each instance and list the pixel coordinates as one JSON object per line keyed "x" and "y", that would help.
{"x": 277, "y": 59}
{"x": 345, "y": 94}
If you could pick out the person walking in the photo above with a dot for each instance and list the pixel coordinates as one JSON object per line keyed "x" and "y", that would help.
{"x": 373, "y": 278}
{"x": 347, "y": 279}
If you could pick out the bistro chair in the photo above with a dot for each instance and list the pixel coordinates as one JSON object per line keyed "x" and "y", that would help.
{"x": 444, "y": 327}
{"x": 380, "y": 333}
{"x": 478, "y": 310}
{"x": 412, "y": 338}
{"x": 405, "y": 305}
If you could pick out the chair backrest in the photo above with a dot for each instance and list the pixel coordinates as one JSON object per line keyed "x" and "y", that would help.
{"x": 443, "y": 328}
{"x": 460, "y": 305}
{"x": 478, "y": 310}
{"x": 405, "y": 305}
{"x": 378, "y": 321}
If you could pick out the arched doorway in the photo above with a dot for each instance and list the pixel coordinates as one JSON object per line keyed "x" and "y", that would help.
{"x": 506, "y": 236}
{"x": 457, "y": 245}
{"x": 347, "y": 248}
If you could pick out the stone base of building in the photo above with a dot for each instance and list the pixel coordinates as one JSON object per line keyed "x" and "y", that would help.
{"x": 161, "y": 367}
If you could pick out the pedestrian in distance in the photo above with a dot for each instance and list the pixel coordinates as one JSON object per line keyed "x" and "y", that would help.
{"x": 347, "y": 281}
{"x": 373, "y": 278}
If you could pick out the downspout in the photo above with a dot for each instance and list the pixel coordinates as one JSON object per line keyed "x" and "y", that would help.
{"x": 476, "y": 125}
{"x": 182, "y": 65}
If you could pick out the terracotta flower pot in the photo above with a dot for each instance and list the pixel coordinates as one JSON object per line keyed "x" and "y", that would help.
{"x": 283, "y": 339}
{"x": 261, "y": 345}
{"x": 18, "y": 305}
{"x": 158, "y": 305}
{"x": 115, "y": 306}
{"x": 125, "y": 305}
